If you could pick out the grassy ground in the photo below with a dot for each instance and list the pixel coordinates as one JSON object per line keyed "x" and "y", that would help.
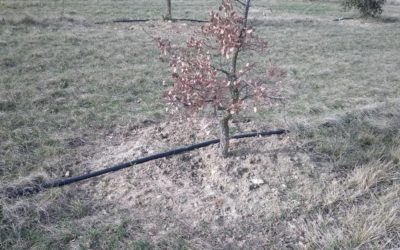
{"x": 68, "y": 86}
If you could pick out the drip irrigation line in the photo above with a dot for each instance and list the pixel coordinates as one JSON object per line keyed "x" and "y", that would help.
{"x": 16, "y": 192}
{"x": 189, "y": 20}
{"x": 342, "y": 19}
{"x": 127, "y": 20}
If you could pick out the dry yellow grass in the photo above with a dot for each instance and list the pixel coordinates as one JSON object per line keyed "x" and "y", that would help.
{"x": 74, "y": 93}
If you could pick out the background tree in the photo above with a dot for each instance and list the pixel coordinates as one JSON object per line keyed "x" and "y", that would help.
{"x": 207, "y": 73}
{"x": 366, "y": 7}
{"x": 168, "y": 15}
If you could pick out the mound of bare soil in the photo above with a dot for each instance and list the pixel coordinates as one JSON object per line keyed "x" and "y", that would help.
{"x": 245, "y": 199}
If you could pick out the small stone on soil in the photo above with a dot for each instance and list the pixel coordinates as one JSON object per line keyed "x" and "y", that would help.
{"x": 257, "y": 181}
{"x": 242, "y": 171}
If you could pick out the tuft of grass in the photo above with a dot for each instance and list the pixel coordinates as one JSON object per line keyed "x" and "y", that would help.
{"x": 44, "y": 222}
{"x": 359, "y": 213}
{"x": 359, "y": 137}
{"x": 141, "y": 245}
{"x": 359, "y": 209}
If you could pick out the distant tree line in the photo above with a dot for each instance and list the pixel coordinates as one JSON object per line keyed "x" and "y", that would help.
{"x": 366, "y": 7}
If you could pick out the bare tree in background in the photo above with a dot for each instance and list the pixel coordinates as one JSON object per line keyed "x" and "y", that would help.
{"x": 168, "y": 15}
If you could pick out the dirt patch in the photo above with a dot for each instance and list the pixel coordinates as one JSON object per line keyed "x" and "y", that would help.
{"x": 263, "y": 180}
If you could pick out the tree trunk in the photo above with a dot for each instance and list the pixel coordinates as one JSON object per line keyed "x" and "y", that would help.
{"x": 235, "y": 93}
{"x": 224, "y": 135}
{"x": 168, "y": 16}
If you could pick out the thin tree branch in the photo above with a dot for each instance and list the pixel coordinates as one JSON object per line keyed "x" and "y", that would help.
{"x": 221, "y": 70}
{"x": 240, "y": 2}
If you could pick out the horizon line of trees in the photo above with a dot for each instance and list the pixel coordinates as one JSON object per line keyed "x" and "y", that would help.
{"x": 367, "y": 8}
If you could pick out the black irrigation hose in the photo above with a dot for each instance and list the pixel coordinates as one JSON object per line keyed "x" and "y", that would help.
{"x": 62, "y": 182}
{"x": 189, "y": 20}
{"x": 126, "y": 20}
{"x": 342, "y": 18}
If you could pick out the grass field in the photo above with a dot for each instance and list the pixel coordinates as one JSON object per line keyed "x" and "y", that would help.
{"x": 73, "y": 84}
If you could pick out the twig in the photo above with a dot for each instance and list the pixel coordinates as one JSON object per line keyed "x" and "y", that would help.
{"x": 221, "y": 70}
